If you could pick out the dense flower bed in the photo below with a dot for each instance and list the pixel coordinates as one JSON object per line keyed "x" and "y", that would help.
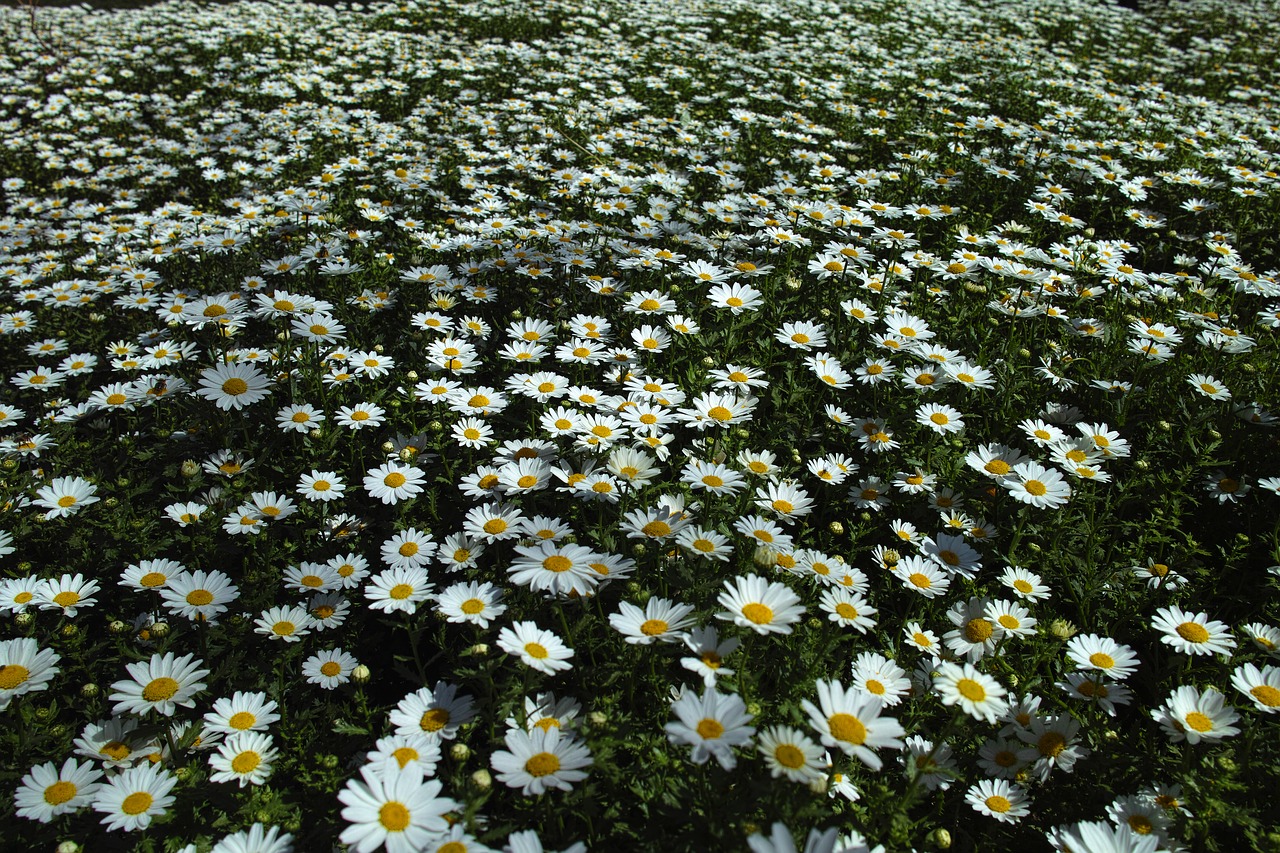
{"x": 463, "y": 426}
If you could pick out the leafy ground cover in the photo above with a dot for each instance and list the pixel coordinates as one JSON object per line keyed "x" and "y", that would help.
{"x": 463, "y": 426}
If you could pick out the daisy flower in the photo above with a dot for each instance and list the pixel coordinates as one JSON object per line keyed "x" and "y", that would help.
{"x": 1191, "y": 715}
{"x": 392, "y": 482}
{"x": 764, "y": 532}
{"x": 939, "y": 418}
{"x": 65, "y": 496}
{"x": 975, "y": 635}
{"x": 788, "y": 500}
{"x": 710, "y": 653}
{"x": 851, "y": 721}
{"x": 536, "y": 648}
{"x": 922, "y": 576}
{"x": 329, "y": 669}
{"x": 705, "y": 542}
{"x": 1091, "y": 836}
{"x": 1026, "y": 585}
{"x": 791, "y": 753}
{"x": 161, "y": 684}
{"x": 763, "y": 606}
{"x": 300, "y": 418}
{"x": 199, "y": 596}
{"x": 538, "y": 760}
{"x": 244, "y": 757}
{"x": 395, "y": 809}
{"x": 1261, "y": 686}
{"x": 660, "y": 621}
{"x": 1192, "y": 633}
{"x": 554, "y": 568}
{"x": 398, "y": 750}
{"x": 132, "y": 798}
{"x": 256, "y": 839}
{"x": 233, "y": 386}
{"x": 977, "y": 694}
{"x": 713, "y": 724}
{"x": 1208, "y": 386}
{"x": 1095, "y": 652}
{"x": 151, "y": 574}
{"x": 494, "y": 522}
{"x": 67, "y": 593}
{"x": 289, "y": 623}
{"x": 1052, "y": 744}
{"x": 471, "y": 602}
{"x": 1032, "y": 483}
{"x": 408, "y": 548}
{"x": 1000, "y": 799}
{"x": 848, "y": 609}
{"x": 398, "y": 589}
{"x": 436, "y": 712}
{"x": 1095, "y": 688}
{"x": 1264, "y": 637}
{"x": 47, "y": 791}
{"x": 876, "y": 675}
{"x": 923, "y": 639}
{"x": 241, "y": 713}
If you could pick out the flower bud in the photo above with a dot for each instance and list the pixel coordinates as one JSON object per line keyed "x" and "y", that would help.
{"x": 160, "y": 630}
{"x": 360, "y": 674}
{"x": 24, "y": 620}
{"x": 1062, "y": 629}
{"x": 459, "y": 752}
{"x": 117, "y": 626}
{"x": 597, "y": 719}
{"x": 836, "y": 528}
{"x": 940, "y": 839}
{"x": 190, "y": 468}
{"x": 482, "y": 780}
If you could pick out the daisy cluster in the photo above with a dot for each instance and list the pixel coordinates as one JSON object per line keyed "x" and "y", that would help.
{"x": 445, "y": 426}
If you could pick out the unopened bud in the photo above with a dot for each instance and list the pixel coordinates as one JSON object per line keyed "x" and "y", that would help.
{"x": 836, "y": 528}
{"x": 459, "y": 752}
{"x": 1062, "y": 629}
{"x": 482, "y": 780}
{"x": 360, "y": 674}
{"x": 941, "y": 839}
{"x": 190, "y": 468}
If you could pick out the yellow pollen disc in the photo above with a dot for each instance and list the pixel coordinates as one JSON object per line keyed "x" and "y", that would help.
{"x": 1228, "y": 485}
{"x": 788, "y": 756}
{"x": 59, "y": 792}
{"x": 1193, "y": 632}
{"x": 709, "y": 729}
{"x": 488, "y": 481}
{"x": 998, "y": 467}
{"x": 546, "y": 387}
{"x": 452, "y": 847}
{"x": 160, "y": 689}
{"x": 67, "y": 598}
{"x": 940, "y": 419}
{"x": 536, "y": 650}
{"x": 978, "y": 630}
{"x": 330, "y": 668}
{"x": 1022, "y": 586}
{"x": 1008, "y": 622}
{"x": 846, "y": 611}
{"x": 394, "y": 480}
{"x": 971, "y": 690}
{"x": 434, "y": 719}
{"x": 494, "y": 526}
{"x": 919, "y": 580}
{"x": 136, "y": 803}
{"x": 875, "y": 687}
{"x": 471, "y": 433}
{"x": 1140, "y": 824}
{"x": 757, "y": 613}
{"x": 734, "y": 302}
{"x": 998, "y": 804}
{"x": 12, "y": 675}
{"x": 720, "y": 413}
{"x": 246, "y": 762}
{"x": 783, "y": 506}
{"x": 235, "y": 386}
{"x": 1035, "y": 487}
{"x": 1051, "y": 744}
{"x": 1199, "y": 722}
{"x": 404, "y": 755}
{"x": 1266, "y": 695}
{"x": 557, "y": 563}
{"x": 284, "y": 628}
{"x": 847, "y": 727}
{"x": 116, "y": 751}
{"x": 242, "y": 721}
{"x": 116, "y": 399}
{"x": 653, "y": 627}
{"x": 393, "y": 816}
{"x": 1101, "y": 660}
{"x": 66, "y": 501}
{"x": 656, "y": 529}
{"x": 401, "y": 591}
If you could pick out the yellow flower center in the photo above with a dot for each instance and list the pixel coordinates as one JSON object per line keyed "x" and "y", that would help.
{"x": 242, "y": 721}
{"x": 235, "y": 386}
{"x": 401, "y": 591}
{"x": 12, "y": 675}
{"x": 998, "y": 804}
{"x": 160, "y": 689}
{"x": 136, "y": 803}
{"x": 536, "y": 651}
{"x": 394, "y": 480}
{"x": 847, "y": 727}
{"x": 1193, "y": 632}
{"x": 393, "y": 816}
{"x": 1199, "y": 722}
{"x": 978, "y": 630}
{"x": 434, "y": 719}
{"x": 757, "y": 613}
{"x": 653, "y": 627}
{"x": 246, "y": 762}
{"x": 59, "y": 792}
{"x": 709, "y": 729}
{"x": 971, "y": 690}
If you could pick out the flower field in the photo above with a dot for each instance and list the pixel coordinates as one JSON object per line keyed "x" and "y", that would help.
{"x": 463, "y": 426}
